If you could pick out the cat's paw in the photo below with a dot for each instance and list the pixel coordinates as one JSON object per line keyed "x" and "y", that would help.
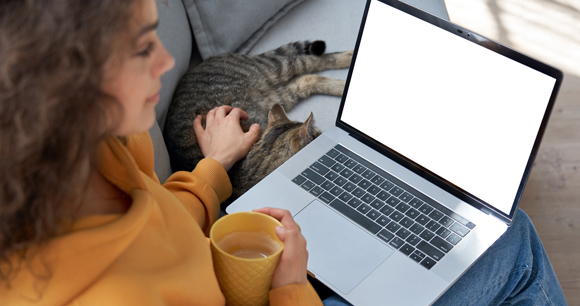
{"x": 344, "y": 59}
{"x": 317, "y": 47}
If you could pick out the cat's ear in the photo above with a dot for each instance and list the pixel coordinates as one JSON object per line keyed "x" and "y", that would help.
{"x": 277, "y": 115}
{"x": 305, "y": 135}
{"x": 306, "y": 132}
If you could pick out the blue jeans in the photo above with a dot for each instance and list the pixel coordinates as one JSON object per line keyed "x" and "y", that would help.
{"x": 514, "y": 271}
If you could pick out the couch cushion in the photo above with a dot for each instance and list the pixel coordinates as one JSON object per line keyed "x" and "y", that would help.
{"x": 175, "y": 35}
{"x": 225, "y": 26}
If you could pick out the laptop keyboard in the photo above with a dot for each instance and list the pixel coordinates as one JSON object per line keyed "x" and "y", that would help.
{"x": 403, "y": 217}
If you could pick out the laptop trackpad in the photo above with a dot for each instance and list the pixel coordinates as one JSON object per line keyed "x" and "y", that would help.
{"x": 339, "y": 252}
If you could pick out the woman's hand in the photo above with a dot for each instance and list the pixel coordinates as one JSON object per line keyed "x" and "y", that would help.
{"x": 292, "y": 266}
{"x": 223, "y": 138}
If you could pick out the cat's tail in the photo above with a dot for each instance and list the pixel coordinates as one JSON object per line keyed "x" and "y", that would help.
{"x": 300, "y": 48}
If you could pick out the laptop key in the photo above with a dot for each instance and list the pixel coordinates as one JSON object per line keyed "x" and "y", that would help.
{"x": 327, "y": 185}
{"x": 406, "y": 197}
{"x": 355, "y": 216}
{"x": 374, "y": 190}
{"x": 367, "y": 198}
{"x": 443, "y": 232}
{"x": 441, "y": 244}
{"x": 313, "y": 176}
{"x": 387, "y": 185}
{"x": 316, "y": 191}
{"x": 373, "y": 214}
{"x": 341, "y": 158}
{"x": 459, "y": 229}
{"x": 307, "y": 185}
{"x": 428, "y": 263}
{"x": 406, "y": 222}
{"x": 299, "y": 180}
{"x": 433, "y": 226}
{"x": 385, "y": 235}
{"x": 377, "y": 180}
{"x": 333, "y": 153}
{"x": 412, "y": 213}
{"x": 392, "y": 201}
{"x": 427, "y": 235}
{"x": 345, "y": 197}
{"x": 349, "y": 186}
{"x": 346, "y": 173}
{"x": 354, "y": 202}
{"x": 364, "y": 184}
{"x": 416, "y": 203}
{"x": 407, "y": 249}
{"x": 430, "y": 250}
{"x": 383, "y": 220}
{"x": 436, "y": 215}
{"x": 355, "y": 178}
{"x": 318, "y": 167}
{"x": 387, "y": 210}
{"x": 402, "y": 207}
{"x": 393, "y": 227}
{"x": 377, "y": 204}
{"x": 446, "y": 221}
{"x": 422, "y": 219}
{"x": 327, "y": 161}
{"x": 396, "y": 191}
{"x": 426, "y": 209}
{"x": 331, "y": 175}
{"x": 368, "y": 174}
{"x": 397, "y": 242}
{"x": 359, "y": 169}
{"x": 453, "y": 239}
{"x": 336, "y": 191}
{"x": 383, "y": 195}
{"x": 337, "y": 167}
{"x": 403, "y": 233}
{"x": 326, "y": 197}
{"x": 413, "y": 240}
{"x": 417, "y": 256}
{"x": 358, "y": 192}
{"x": 350, "y": 163}
{"x": 340, "y": 181}
{"x": 417, "y": 229}
{"x": 364, "y": 208}
{"x": 396, "y": 215}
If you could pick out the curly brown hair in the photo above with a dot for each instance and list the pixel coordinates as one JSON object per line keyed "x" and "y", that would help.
{"x": 53, "y": 112}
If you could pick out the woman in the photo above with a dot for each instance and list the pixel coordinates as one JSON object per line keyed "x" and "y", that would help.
{"x": 83, "y": 217}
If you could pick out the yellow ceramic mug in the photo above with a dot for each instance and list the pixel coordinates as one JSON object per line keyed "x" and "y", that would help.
{"x": 245, "y": 251}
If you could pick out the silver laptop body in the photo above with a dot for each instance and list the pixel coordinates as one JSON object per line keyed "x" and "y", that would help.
{"x": 435, "y": 138}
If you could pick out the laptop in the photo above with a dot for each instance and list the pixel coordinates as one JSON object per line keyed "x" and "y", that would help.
{"x": 434, "y": 141}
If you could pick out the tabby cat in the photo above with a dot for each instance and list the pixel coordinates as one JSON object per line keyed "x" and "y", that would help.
{"x": 255, "y": 84}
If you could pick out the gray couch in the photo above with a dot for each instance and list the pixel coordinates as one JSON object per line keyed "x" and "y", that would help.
{"x": 192, "y": 30}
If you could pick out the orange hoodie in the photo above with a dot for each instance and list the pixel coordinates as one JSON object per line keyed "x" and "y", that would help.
{"x": 155, "y": 254}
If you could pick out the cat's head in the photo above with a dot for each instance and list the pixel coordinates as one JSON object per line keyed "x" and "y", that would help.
{"x": 282, "y": 138}
{"x": 295, "y": 135}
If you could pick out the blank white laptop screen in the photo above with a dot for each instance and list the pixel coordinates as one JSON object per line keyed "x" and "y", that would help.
{"x": 463, "y": 112}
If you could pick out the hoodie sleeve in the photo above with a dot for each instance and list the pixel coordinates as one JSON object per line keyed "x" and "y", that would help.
{"x": 295, "y": 295}
{"x": 202, "y": 190}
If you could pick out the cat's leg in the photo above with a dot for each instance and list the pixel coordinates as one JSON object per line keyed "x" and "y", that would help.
{"x": 304, "y": 57}
{"x": 302, "y": 87}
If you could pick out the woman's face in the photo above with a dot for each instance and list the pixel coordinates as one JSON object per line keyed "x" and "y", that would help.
{"x": 136, "y": 82}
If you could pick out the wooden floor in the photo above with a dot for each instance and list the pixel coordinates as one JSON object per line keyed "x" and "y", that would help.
{"x": 549, "y": 31}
